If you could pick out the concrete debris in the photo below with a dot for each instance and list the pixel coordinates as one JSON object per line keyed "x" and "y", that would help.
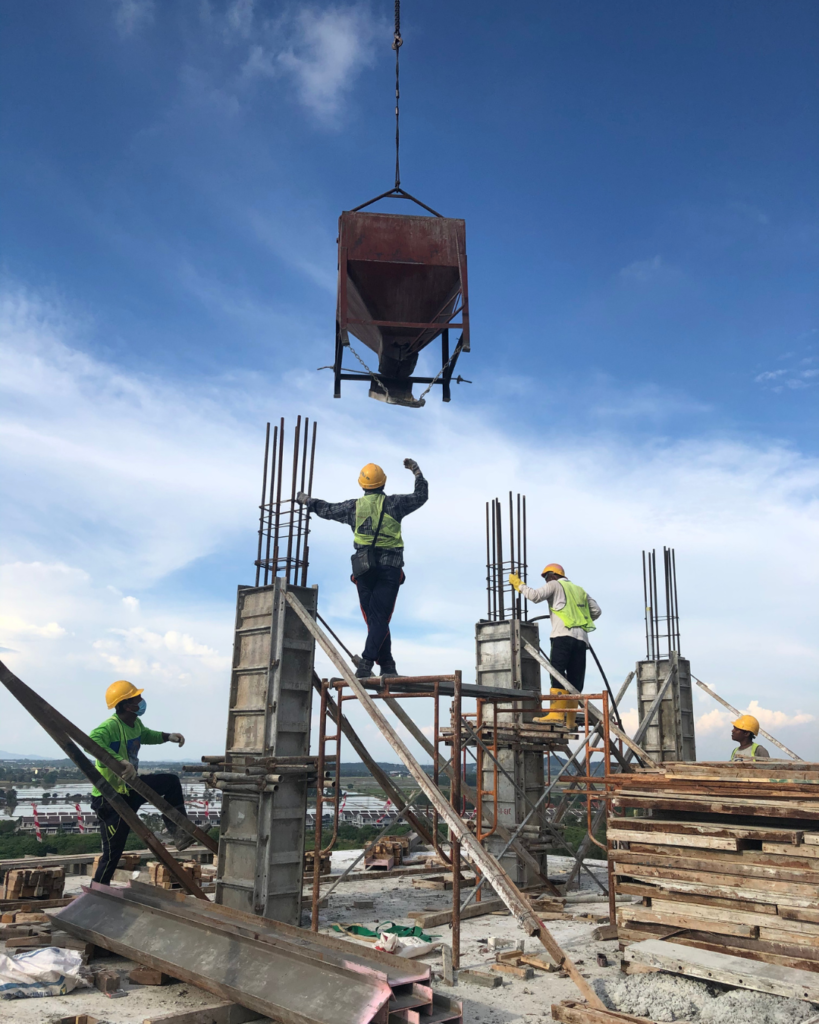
{"x": 664, "y": 997}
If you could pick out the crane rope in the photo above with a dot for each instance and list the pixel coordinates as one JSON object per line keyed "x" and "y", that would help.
{"x": 397, "y": 43}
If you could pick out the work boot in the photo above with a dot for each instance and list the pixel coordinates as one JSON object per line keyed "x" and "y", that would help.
{"x": 388, "y": 669}
{"x": 561, "y": 712}
{"x": 364, "y": 670}
{"x": 181, "y": 839}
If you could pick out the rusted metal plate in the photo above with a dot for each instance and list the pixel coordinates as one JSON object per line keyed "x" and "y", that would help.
{"x": 277, "y": 978}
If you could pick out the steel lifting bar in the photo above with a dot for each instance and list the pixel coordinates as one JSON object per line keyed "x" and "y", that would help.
{"x": 517, "y": 903}
{"x": 61, "y": 730}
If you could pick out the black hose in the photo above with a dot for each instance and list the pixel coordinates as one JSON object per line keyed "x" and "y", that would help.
{"x": 613, "y": 701}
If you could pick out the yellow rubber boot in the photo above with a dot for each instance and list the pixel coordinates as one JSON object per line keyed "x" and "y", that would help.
{"x": 571, "y": 712}
{"x": 557, "y": 713}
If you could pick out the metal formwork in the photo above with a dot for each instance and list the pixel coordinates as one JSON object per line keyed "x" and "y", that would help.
{"x": 501, "y": 661}
{"x": 670, "y": 736}
{"x": 261, "y": 847}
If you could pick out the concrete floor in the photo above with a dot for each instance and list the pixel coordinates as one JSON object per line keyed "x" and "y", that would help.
{"x": 515, "y": 1002}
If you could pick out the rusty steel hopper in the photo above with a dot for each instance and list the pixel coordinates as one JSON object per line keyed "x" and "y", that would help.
{"x": 401, "y": 284}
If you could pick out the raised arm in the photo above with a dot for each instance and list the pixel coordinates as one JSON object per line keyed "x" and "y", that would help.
{"x": 338, "y": 512}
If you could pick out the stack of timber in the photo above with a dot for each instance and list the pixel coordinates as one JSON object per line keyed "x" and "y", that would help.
{"x": 725, "y": 856}
{"x": 34, "y": 883}
{"x": 160, "y": 876}
{"x": 310, "y": 863}
{"x": 386, "y": 853}
{"x": 28, "y": 927}
{"x": 279, "y": 971}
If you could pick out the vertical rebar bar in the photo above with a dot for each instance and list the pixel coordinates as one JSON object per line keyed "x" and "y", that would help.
{"x": 525, "y": 559}
{"x": 300, "y": 520}
{"x": 276, "y": 440}
{"x": 261, "y": 506}
{"x": 645, "y": 606}
{"x": 277, "y": 523}
{"x": 488, "y": 569}
{"x": 499, "y": 563}
{"x": 307, "y": 515}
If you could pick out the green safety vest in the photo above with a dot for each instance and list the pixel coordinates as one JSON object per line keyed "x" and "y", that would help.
{"x": 369, "y": 508}
{"x": 754, "y": 747}
{"x": 576, "y": 610}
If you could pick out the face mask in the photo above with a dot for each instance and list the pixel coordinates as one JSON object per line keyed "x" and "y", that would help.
{"x": 142, "y": 707}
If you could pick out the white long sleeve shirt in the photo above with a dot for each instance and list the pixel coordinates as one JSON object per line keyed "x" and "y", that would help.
{"x": 555, "y": 595}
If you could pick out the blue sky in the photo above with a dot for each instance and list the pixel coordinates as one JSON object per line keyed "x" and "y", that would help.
{"x": 639, "y": 184}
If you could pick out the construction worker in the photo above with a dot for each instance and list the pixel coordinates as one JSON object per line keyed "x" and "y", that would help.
{"x": 744, "y": 732}
{"x": 378, "y": 561}
{"x": 122, "y": 735}
{"x": 572, "y": 612}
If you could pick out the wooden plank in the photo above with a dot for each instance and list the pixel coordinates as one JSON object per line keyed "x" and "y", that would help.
{"x": 755, "y": 878}
{"x": 811, "y": 838}
{"x": 792, "y": 869}
{"x": 761, "y": 832}
{"x": 578, "y": 1013}
{"x": 677, "y": 920}
{"x": 677, "y": 839}
{"x": 437, "y": 918}
{"x": 524, "y": 973}
{"x": 769, "y": 934}
{"x": 787, "y": 850}
{"x": 769, "y": 953}
{"x": 695, "y": 898}
{"x": 725, "y": 969}
{"x": 717, "y": 805}
{"x": 707, "y": 914}
{"x": 721, "y": 885}
{"x": 799, "y": 914}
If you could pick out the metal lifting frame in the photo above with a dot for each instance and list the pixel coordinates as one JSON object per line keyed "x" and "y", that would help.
{"x": 516, "y": 901}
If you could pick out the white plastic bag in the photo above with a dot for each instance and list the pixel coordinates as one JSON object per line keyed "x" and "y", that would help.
{"x": 388, "y": 943}
{"x": 47, "y": 971}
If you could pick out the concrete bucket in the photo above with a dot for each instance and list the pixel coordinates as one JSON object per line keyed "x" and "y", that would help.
{"x": 402, "y": 284}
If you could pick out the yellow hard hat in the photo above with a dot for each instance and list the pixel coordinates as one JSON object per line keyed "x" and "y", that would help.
{"x": 120, "y": 690}
{"x": 371, "y": 476}
{"x": 554, "y": 567}
{"x": 747, "y": 723}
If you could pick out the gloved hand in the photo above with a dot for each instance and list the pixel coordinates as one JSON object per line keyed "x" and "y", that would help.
{"x": 412, "y": 465}
{"x": 302, "y": 498}
{"x": 128, "y": 771}
{"x": 515, "y": 580}
{"x": 176, "y": 737}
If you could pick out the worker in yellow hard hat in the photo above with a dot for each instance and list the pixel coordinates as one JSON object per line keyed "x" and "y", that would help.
{"x": 122, "y": 735}
{"x": 572, "y": 612}
{"x": 378, "y": 561}
{"x": 744, "y": 732}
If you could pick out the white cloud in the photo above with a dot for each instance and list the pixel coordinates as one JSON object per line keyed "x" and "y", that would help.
{"x": 132, "y": 15}
{"x": 642, "y": 271}
{"x": 122, "y": 481}
{"x": 320, "y": 51}
{"x": 14, "y": 626}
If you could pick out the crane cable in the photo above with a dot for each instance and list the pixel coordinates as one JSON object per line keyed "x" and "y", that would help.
{"x": 397, "y": 43}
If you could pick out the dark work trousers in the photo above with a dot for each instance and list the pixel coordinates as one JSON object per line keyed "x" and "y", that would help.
{"x": 377, "y": 593}
{"x": 114, "y": 831}
{"x": 568, "y": 656}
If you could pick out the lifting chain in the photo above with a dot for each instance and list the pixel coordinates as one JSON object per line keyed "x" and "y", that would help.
{"x": 443, "y": 369}
{"x": 374, "y": 376}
